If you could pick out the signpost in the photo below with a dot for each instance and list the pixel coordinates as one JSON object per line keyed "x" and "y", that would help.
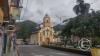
{"x": 85, "y": 45}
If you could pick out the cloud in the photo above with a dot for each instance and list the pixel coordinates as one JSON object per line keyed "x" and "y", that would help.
{"x": 57, "y": 9}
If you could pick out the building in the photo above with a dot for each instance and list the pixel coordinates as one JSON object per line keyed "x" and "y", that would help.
{"x": 7, "y": 11}
{"x": 34, "y": 38}
{"x": 1, "y": 16}
{"x": 45, "y": 33}
{"x": 3, "y": 13}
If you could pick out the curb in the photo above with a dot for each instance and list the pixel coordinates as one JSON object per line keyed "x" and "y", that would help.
{"x": 87, "y": 53}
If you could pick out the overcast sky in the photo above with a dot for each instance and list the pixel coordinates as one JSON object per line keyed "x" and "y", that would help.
{"x": 36, "y": 9}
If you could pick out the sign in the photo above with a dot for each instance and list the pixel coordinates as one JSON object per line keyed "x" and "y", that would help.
{"x": 84, "y": 44}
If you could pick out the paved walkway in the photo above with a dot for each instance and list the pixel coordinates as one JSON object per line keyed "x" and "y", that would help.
{"x": 40, "y": 51}
{"x": 99, "y": 52}
{"x": 12, "y": 53}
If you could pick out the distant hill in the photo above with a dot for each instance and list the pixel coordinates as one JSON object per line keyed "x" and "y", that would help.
{"x": 25, "y": 28}
{"x": 27, "y": 23}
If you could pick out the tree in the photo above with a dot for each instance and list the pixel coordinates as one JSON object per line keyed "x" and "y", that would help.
{"x": 81, "y": 8}
{"x": 25, "y": 29}
{"x": 83, "y": 27}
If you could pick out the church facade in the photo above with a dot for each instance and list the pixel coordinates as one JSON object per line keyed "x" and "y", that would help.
{"x": 46, "y": 33}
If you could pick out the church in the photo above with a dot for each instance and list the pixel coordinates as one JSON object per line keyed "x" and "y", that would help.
{"x": 45, "y": 34}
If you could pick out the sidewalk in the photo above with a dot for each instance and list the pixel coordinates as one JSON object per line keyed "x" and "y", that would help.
{"x": 12, "y": 53}
{"x": 0, "y": 51}
{"x": 99, "y": 52}
{"x": 0, "y": 46}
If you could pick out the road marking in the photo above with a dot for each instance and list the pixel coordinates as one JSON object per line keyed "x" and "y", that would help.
{"x": 51, "y": 55}
{"x": 61, "y": 54}
{"x": 39, "y": 55}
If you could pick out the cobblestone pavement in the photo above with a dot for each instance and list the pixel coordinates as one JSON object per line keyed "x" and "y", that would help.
{"x": 33, "y": 50}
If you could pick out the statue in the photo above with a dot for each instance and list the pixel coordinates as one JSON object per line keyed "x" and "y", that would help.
{"x": 81, "y": 8}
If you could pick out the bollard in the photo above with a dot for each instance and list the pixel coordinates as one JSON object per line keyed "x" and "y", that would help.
{"x": 94, "y": 51}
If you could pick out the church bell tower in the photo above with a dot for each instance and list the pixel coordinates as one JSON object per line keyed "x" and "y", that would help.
{"x": 46, "y": 21}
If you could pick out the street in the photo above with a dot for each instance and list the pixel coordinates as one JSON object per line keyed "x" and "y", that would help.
{"x": 33, "y": 50}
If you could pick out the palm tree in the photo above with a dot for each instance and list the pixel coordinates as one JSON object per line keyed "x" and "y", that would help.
{"x": 81, "y": 8}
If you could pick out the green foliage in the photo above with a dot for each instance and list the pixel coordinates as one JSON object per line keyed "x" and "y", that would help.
{"x": 25, "y": 29}
{"x": 58, "y": 27}
{"x": 83, "y": 26}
